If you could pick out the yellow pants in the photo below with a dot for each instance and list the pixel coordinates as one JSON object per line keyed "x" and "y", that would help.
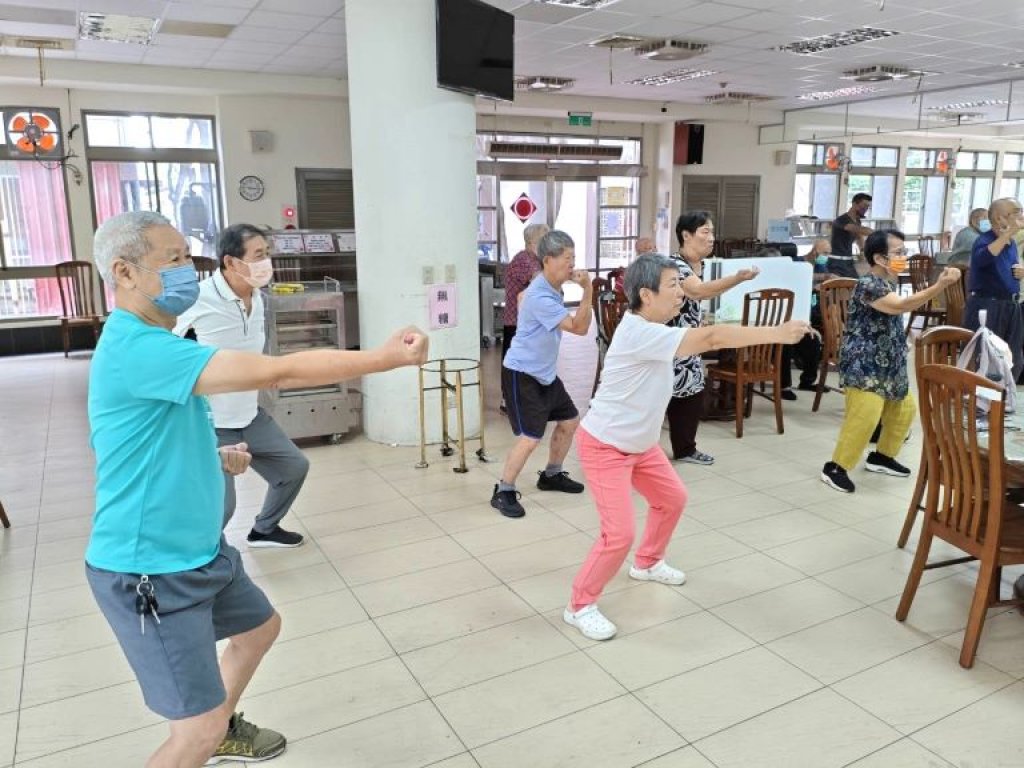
{"x": 863, "y": 410}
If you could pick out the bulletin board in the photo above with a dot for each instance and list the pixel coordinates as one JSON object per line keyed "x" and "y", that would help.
{"x": 776, "y": 272}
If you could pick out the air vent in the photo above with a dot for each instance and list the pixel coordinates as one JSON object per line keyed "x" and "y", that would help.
{"x": 959, "y": 117}
{"x": 736, "y": 97}
{"x": 672, "y": 76}
{"x": 543, "y": 83}
{"x": 966, "y": 106}
{"x": 527, "y": 151}
{"x": 45, "y": 43}
{"x": 116, "y": 28}
{"x": 836, "y": 40}
{"x": 590, "y": 5}
{"x": 671, "y": 50}
{"x": 879, "y": 73}
{"x": 622, "y": 42}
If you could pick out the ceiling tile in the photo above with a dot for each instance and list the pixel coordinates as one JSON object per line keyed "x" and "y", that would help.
{"x": 282, "y": 21}
{"x": 266, "y": 34}
{"x": 205, "y": 13}
{"x": 308, "y": 7}
{"x": 23, "y": 29}
{"x": 711, "y": 13}
{"x": 147, "y": 8}
{"x": 187, "y": 41}
{"x": 320, "y": 40}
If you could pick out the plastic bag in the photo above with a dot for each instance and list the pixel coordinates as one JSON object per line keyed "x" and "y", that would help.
{"x": 990, "y": 356}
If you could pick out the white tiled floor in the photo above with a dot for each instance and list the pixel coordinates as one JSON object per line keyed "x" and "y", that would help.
{"x": 421, "y": 628}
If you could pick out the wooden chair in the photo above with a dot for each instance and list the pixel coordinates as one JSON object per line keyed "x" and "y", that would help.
{"x": 834, "y": 299}
{"x": 205, "y": 266}
{"x": 956, "y": 300}
{"x": 966, "y": 505}
{"x": 926, "y": 246}
{"x": 920, "y": 278}
{"x": 938, "y": 346}
{"x": 761, "y": 363}
{"x": 80, "y": 301}
{"x": 3, "y": 516}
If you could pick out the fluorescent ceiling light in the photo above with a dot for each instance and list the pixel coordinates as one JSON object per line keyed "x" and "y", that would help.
{"x": 836, "y": 40}
{"x": 853, "y": 90}
{"x": 543, "y": 83}
{"x": 590, "y": 5}
{"x": 672, "y": 76}
{"x": 960, "y": 106}
{"x": 116, "y": 28}
{"x": 736, "y": 97}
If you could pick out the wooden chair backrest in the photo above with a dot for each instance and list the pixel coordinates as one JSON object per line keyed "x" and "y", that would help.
{"x": 834, "y": 298}
{"x": 940, "y": 345}
{"x": 78, "y": 294}
{"x": 955, "y": 303}
{"x": 965, "y": 492}
{"x": 769, "y": 306}
{"x": 926, "y": 245}
{"x": 611, "y": 308}
{"x": 205, "y": 266}
{"x": 920, "y": 272}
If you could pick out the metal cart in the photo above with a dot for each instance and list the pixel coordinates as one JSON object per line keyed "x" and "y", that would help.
{"x": 310, "y": 318}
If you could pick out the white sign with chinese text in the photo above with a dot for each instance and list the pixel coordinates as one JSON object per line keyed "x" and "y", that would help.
{"x": 442, "y": 305}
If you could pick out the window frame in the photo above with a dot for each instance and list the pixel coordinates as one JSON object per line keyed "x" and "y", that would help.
{"x": 1016, "y": 177}
{"x": 813, "y": 170}
{"x": 925, "y": 171}
{"x": 872, "y": 172}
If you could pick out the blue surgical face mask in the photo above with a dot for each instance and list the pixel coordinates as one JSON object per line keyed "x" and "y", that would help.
{"x": 180, "y": 289}
{"x": 821, "y": 259}
{"x": 984, "y": 226}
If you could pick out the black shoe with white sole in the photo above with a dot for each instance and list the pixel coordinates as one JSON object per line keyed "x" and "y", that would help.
{"x": 878, "y": 462}
{"x": 835, "y": 476}
{"x": 278, "y": 537}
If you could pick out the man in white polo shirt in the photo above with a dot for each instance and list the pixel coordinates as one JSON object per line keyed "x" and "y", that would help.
{"x": 229, "y": 315}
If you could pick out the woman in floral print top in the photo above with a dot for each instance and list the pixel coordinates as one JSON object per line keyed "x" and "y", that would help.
{"x": 696, "y": 235}
{"x": 873, "y": 363}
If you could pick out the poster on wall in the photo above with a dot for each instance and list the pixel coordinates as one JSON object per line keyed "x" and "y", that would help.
{"x": 318, "y": 242}
{"x": 288, "y": 242}
{"x": 443, "y": 307}
{"x": 346, "y": 242}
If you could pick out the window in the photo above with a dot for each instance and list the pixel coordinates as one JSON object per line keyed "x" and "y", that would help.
{"x": 975, "y": 183}
{"x": 163, "y": 163}
{"x": 35, "y": 234}
{"x": 873, "y": 171}
{"x": 1013, "y": 176}
{"x": 924, "y": 194}
{"x": 486, "y": 218}
{"x": 816, "y": 189}
{"x": 618, "y": 218}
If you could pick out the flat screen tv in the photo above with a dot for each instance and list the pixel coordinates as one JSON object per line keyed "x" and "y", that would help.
{"x": 475, "y": 48}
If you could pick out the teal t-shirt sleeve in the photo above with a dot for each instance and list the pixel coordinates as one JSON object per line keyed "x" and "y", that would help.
{"x": 164, "y": 366}
{"x": 549, "y": 310}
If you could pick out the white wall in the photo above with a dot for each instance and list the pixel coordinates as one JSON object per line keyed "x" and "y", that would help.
{"x": 307, "y": 133}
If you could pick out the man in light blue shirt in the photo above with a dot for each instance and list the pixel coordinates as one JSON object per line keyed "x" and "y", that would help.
{"x": 166, "y": 581}
{"x": 533, "y": 393}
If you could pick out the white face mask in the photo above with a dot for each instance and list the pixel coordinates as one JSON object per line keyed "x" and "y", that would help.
{"x": 260, "y": 273}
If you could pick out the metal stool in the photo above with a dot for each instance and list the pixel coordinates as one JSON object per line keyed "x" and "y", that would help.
{"x": 445, "y": 367}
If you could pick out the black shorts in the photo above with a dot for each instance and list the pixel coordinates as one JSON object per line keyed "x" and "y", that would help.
{"x": 531, "y": 405}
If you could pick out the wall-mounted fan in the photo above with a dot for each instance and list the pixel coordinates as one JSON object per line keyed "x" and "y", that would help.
{"x": 32, "y": 132}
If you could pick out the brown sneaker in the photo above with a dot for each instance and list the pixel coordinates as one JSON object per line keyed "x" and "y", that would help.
{"x": 247, "y": 743}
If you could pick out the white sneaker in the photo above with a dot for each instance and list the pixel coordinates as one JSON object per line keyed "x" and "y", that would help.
{"x": 590, "y": 622}
{"x": 661, "y": 572}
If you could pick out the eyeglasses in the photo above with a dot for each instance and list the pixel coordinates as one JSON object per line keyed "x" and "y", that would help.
{"x": 900, "y": 252}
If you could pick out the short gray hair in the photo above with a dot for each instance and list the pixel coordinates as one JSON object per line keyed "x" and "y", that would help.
{"x": 533, "y": 233}
{"x": 124, "y": 237}
{"x": 553, "y": 244}
{"x": 645, "y": 272}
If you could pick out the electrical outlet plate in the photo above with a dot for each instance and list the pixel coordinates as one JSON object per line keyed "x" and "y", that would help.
{"x": 449, "y": 273}
{"x": 428, "y": 275}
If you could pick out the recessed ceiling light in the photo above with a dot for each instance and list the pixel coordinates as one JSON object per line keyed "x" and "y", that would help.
{"x": 836, "y": 40}
{"x": 590, "y": 5}
{"x": 116, "y": 28}
{"x": 960, "y": 106}
{"x": 736, "y": 97}
{"x": 672, "y": 76}
{"x": 671, "y": 50}
{"x": 853, "y": 90}
{"x": 543, "y": 83}
{"x": 878, "y": 73}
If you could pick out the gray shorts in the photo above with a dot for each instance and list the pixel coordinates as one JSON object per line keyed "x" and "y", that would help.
{"x": 175, "y": 661}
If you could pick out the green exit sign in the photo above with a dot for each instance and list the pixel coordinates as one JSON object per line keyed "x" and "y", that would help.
{"x": 581, "y": 118}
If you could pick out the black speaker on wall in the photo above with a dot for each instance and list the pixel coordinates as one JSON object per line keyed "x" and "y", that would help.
{"x": 689, "y": 144}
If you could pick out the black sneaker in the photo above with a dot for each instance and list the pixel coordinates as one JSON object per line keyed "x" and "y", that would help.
{"x": 787, "y": 394}
{"x": 278, "y": 537}
{"x": 835, "y": 476}
{"x": 878, "y": 462}
{"x": 559, "y": 482}
{"x": 507, "y": 502}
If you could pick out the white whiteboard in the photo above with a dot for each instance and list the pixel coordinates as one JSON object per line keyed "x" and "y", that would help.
{"x": 776, "y": 272}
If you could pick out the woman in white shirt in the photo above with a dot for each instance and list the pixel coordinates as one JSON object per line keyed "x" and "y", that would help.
{"x": 618, "y": 439}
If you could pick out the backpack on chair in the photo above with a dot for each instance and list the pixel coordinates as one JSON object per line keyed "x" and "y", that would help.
{"x": 991, "y": 357}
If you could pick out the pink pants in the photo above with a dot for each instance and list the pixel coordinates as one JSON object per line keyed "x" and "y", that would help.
{"x": 611, "y": 475}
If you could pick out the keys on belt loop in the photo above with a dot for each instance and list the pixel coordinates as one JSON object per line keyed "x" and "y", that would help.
{"x": 145, "y": 602}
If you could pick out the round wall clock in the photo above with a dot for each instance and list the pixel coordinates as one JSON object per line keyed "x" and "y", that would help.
{"x": 251, "y": 188}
